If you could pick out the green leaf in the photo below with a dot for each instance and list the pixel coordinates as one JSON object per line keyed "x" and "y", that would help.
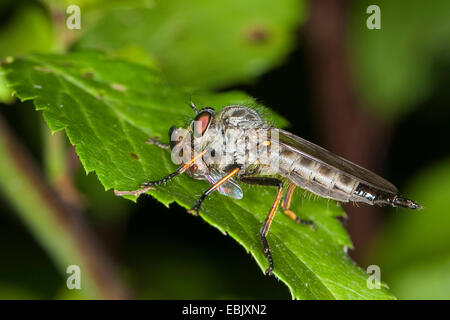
{"x": 188, "y": 41}
{"x": 28, "y": 22}
{"x": 109, "y": 108}
{"x": 5, "y": 93}
{"x": 395, "y": 67}
{"x": 424, "y": 280}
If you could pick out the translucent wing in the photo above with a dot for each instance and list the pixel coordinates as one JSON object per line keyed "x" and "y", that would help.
{"x": 314, "y": 152}
{"x": 230, "y": 188}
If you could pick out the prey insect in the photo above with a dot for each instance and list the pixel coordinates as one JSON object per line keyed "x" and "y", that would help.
{"x": 291, "y": 162}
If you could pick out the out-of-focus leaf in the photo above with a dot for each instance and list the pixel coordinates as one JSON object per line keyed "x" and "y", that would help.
{"x": 203, "y": 43}
{"x": 417, "y": 244}
{"x": 92, "y": 5}
{"x": 102, "y": 206}
{"x": 15, "y": 292}
{"x": 394, "y": 67}
{"x": 28, "y": 22}
{"x": 5, "y": 93}
{"x": 427, "y": 279}
{"x": 27, "y": 29}
{"x": 109, "y": 108}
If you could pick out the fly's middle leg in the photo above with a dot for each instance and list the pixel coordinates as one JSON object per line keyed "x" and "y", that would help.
{"x": 263, "y": 232}
{"x": 286, "y": 204}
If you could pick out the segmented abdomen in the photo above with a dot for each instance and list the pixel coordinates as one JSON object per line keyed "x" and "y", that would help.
{"x": 317, "y": 177}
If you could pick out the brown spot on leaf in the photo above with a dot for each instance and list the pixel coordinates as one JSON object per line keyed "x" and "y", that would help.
{"x": 88, "y": 74}
{"x": 134, "y": 155}
{"x": 257, "y": 35}
{"x": 100, "y": 95}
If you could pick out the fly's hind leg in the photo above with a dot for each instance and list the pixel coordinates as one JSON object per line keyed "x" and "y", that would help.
{"x": 286, "y": 204}
{"x": 263, "y": 181}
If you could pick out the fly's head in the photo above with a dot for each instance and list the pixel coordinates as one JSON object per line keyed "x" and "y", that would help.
{"x": 187, "y": 143}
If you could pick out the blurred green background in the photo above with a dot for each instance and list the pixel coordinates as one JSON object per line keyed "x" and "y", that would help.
{"x": 377, "y": 97}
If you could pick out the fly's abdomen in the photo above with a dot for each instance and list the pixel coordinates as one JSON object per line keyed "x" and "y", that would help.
{"x": 328, "y": 182}
{"x": 316, "y": 177}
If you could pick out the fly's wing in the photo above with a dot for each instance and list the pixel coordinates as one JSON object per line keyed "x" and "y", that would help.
{"x": 314, "y": 152}
{"x": 230, "y": 188}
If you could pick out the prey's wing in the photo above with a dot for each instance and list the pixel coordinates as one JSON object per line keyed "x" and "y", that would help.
{"x": 314, "y": 152}
{"x": 230, "y": 188}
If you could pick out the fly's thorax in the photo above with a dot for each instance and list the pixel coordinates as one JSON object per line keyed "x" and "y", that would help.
{"x": 237, "y": 137}
{"x": 241, "y": 147}
{"x": 242, "y": 117}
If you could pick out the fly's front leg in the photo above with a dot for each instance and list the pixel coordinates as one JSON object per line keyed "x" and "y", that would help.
{"x": 263, "y": 181}
{"x": 286, "y": 204}
{"x": 156, "y": 142}
{"x": 196, "y": 207}
{"x": 149, "y": 185}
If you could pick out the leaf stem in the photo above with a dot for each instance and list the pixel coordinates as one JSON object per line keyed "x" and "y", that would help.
{"x": 62, "y": 231}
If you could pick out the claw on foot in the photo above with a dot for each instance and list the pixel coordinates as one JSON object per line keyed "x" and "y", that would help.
{"x": 193, "y": 211}
{"x": 268, "y": 271}
{"x": 311, "y": 224}
{"x": 294, "y": 217}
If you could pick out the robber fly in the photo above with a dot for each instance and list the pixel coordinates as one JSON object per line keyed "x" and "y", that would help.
{"x": 299, "y": 163}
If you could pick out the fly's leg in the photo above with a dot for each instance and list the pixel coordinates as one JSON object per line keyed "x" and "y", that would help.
{"x": 286, "y": 204}
{"x": 179, "y": 171}
{"x": 156, "y": 142}
{"x": 149, "y": 185}
{"x": 196, "y": 207}
{"x": 263, "y": 181}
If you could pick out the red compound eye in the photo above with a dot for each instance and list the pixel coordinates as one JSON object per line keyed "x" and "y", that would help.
{"x": 202, "y": 122}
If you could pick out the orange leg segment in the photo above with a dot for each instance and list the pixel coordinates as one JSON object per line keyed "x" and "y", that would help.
{"x": 287, "y": 204}
{"x": 196, "y": 207}
{"x": 264, "y": 231}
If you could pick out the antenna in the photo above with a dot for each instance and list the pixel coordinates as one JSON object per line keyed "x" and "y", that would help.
{"x": 193, "y": 107}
